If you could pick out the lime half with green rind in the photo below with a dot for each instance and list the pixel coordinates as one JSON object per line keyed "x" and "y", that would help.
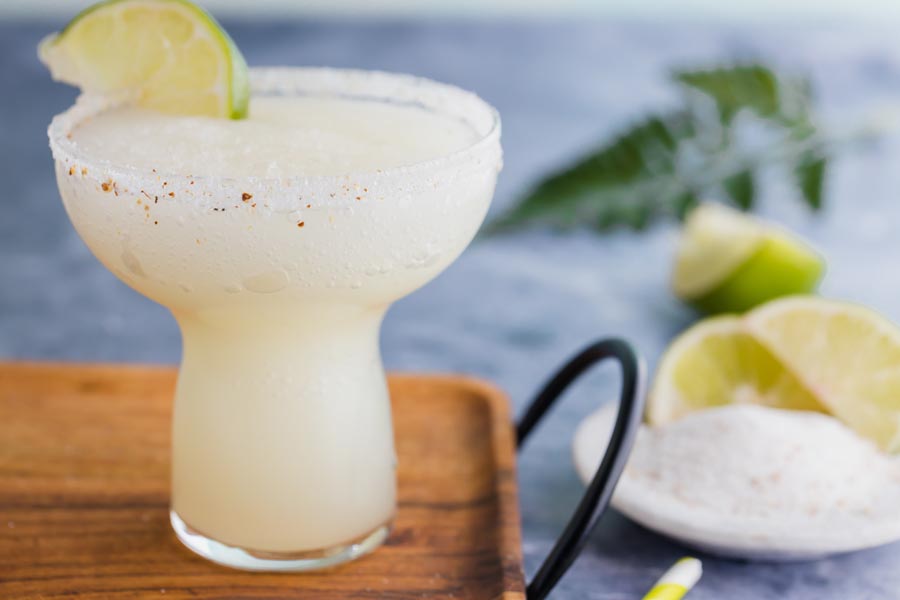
{"x": 730, "y": 262}
{"x": 719, "y": 362}
{"x": 847, "y": 355}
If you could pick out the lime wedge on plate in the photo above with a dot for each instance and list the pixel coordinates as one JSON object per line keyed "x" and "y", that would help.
{"x": 168, "y": 55}
{"x": 717, "y": 362}
{"x": 847, "y": 355}
{"x": 728, "y": 261}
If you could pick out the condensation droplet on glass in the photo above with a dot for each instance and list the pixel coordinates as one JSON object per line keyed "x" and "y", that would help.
{"x": 268, "y": 282}
{"x": 423, "y": 257}
{"x": 132, "y": 263}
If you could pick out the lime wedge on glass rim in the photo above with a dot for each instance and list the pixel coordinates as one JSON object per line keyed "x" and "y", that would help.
{"x": 167, "y": 55}
{"x": 729, "y": 262}
{"x": 718, "y": 362}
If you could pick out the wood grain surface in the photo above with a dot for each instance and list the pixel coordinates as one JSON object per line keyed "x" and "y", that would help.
{"x": 84, "y": 486}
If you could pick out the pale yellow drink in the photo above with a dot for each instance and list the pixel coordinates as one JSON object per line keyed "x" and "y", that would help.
{"x": 278, "y": 243}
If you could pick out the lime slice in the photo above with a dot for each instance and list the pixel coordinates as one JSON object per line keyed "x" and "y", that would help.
{"x": 717, "y": 362}
{"x": 849, "y": 356}
{"x": 728, "y": 261}
{"x": 168, "y": 55}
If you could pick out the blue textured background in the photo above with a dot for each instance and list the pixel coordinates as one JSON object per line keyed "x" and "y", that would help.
{"x": 510, "y": 308}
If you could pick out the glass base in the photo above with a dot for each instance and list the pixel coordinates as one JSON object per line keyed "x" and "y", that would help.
{"x": 252, "y": 560}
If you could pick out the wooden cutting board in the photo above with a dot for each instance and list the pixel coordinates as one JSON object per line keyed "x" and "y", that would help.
{"x": 84, "y": 488}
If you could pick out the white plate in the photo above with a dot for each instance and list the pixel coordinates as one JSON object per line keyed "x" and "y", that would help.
{"x": 772, "y": 539}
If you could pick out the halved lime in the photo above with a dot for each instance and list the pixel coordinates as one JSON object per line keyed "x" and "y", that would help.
{"x": 847, "y": 355}
{"x": 729, "y": 262}
{"x": 168, "y": 55}
{"x": 717, "y": 362}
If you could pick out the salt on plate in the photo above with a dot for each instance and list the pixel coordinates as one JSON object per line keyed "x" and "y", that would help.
{"x": 753, "y": 482}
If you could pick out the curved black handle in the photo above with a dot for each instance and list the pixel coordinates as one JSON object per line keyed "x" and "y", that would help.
{"x": 596, "y": 499}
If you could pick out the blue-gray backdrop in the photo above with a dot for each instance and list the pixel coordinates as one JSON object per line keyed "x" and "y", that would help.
{"x": 511, "y": 307}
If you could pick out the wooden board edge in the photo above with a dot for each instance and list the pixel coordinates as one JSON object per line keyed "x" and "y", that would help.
{"x": 504, "y": 452}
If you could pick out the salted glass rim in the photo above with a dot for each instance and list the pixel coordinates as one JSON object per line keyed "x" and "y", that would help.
{"x": 372, "y": 85}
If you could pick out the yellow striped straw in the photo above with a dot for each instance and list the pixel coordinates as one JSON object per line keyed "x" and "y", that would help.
{"x": 677, "y": 581}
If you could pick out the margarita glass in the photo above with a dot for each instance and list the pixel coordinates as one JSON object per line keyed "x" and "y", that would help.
{"x": 283, "y": 453}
